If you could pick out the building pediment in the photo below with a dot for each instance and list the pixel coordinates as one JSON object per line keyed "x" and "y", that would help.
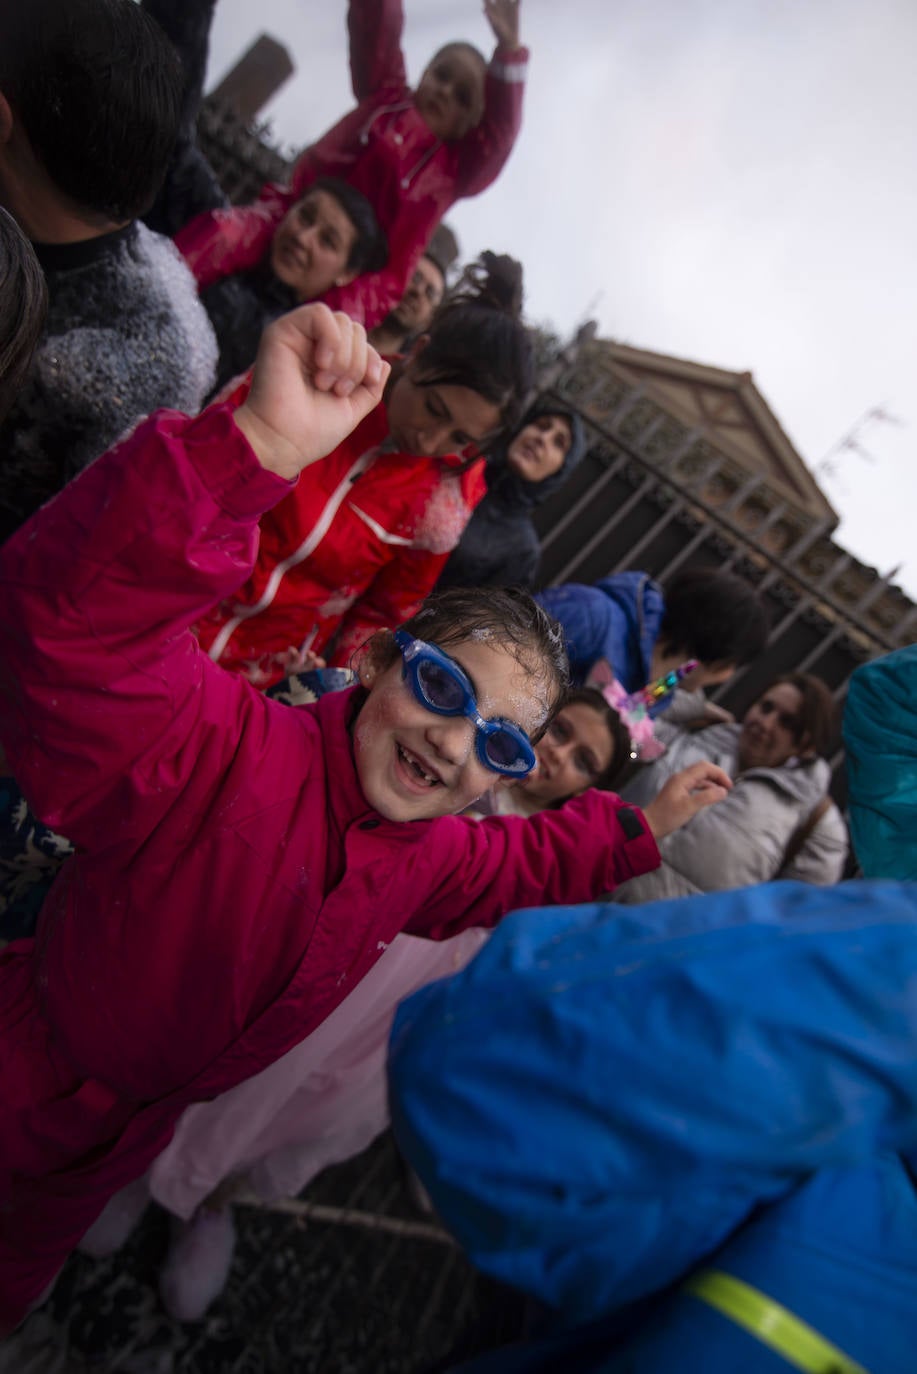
{"x": 732, "y": 413}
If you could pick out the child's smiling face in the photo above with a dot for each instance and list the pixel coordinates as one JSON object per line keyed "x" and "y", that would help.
{"x": 450, "y": 97}
{"x": 414, "y": 764}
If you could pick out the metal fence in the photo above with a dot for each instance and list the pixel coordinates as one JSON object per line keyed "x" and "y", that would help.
{"x": 653, "y": 494}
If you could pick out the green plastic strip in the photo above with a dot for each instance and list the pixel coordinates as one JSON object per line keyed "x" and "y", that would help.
{"x": 797, "y": 1342}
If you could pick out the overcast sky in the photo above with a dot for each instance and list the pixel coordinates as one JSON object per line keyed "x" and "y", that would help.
{"x": 731, "y": 181}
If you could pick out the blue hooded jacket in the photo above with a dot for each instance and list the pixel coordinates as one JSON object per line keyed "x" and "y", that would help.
{"x": 602, "y": 1102}
{"x": 618, "y": 619}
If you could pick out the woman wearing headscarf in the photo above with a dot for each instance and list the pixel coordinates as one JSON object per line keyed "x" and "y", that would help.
{"x": 500, "y": 546}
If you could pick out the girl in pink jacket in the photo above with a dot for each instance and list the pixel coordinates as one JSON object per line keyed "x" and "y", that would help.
{"x": 240, "y": 866}
{"x": 326, "y": 1099}
{"x": 412, "y": 153}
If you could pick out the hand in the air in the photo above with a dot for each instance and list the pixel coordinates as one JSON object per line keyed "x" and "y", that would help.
{"x": 315, "y": 379}
{"x": 503, "y": 18}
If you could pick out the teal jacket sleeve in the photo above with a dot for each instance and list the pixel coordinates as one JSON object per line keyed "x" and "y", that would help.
{"x": 880, "y": 734}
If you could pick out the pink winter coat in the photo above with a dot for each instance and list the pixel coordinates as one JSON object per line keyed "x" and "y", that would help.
{"x": 231, "y": 884}
{"x": 384, "y": 149}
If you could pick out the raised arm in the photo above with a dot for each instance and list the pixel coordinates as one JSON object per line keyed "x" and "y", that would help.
{"x": 104, "y": 690}
{"x": 374, "y": 30}
{"x": 483, "y": 152}
{"x": 370, "y": 297}
{"x": 219, "y": 242}
{"x": 576, "y": 854}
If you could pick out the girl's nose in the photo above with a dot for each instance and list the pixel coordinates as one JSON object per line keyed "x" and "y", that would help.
{"x": 433, "y": 439}
{"x": 305, "y": 235}
{"x": 548, "y": 750}
{"x": 452, "y": 738}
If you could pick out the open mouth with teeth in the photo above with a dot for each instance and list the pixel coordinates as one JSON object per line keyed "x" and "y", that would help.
{"x": 414, "y": 771}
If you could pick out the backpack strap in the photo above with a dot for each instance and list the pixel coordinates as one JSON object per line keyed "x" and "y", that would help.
{"x": 802, "y": 833}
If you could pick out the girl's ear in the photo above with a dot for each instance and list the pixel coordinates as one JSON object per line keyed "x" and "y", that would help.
{"x": 366, "y": 671}
{"x": 373, "y": 657}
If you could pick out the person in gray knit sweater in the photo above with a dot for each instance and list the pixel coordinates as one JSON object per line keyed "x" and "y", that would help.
{"x": 89, "y": 101}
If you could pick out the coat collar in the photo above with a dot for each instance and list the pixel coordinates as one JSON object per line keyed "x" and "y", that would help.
{"x": 345, "y": 796}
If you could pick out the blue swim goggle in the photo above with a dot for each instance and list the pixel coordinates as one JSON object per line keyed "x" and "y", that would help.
{"x": 443, "y": 687}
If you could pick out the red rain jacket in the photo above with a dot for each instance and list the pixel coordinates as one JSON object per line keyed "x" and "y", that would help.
{"x": 355, "y": 547}
{"x": 231, "y": 884}
{"x": 384, "y": 149}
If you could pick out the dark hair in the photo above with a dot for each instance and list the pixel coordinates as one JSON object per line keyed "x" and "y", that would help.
{"x": 713, "y": 616}
{"x": 458, "y": 45}
{"x": 370, "y": 248}
{"x": 506, "y": 615}
{"x": 23, "y": 302}
{"x": 477, "y": 339}
{"x": 96, "y": 86}
{"x": 620, "y": 735}
{"x": 817, "y": 716}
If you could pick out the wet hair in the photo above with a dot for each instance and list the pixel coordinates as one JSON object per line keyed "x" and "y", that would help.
{"x": 713, "y": 616}
{"x": 23, "y": 302}
{"x": 96, "y": 86}
{"x": 506, "y": 616}
{"x": 477, "y": 339}
{"x": 817, "y": 716}
{"x": 370, "y": 247}
{"x": 620, "y": 735}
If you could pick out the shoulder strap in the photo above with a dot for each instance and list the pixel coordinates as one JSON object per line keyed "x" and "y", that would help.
{"x": 774, "y": 1325}
{"x": 802, "y": 833}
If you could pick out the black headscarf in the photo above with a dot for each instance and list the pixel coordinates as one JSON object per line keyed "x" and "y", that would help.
{"x": 512, "y": 492}
{"x": 500, "y": 547}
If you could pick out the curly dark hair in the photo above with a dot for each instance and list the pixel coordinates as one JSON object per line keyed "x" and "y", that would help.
{"x": 477, "y": 339}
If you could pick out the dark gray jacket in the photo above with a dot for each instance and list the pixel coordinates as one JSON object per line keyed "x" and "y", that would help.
{"x": 125, "y": 334}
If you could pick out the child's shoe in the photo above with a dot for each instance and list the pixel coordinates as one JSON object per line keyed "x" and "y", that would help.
{"x": 112, "y": 1227}
{"x": 198, "y": 1263}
